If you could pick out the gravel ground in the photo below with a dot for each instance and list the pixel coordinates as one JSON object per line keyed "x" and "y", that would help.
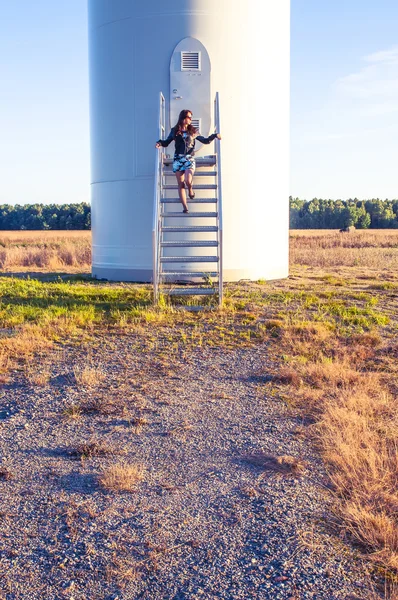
{"x": 207, "y": 521}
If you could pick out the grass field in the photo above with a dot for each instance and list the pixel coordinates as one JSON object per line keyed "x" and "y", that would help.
{"x": 374, "y": 249}
{"x": 331, "y": 327}
{"x": 70, "y": 251}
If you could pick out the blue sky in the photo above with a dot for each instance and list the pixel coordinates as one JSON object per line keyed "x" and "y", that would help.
{"x": 344, "y": 100}
{"x": 44, "y": 140}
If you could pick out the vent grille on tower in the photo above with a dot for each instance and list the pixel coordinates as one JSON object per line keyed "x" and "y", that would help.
{"x": 190, "y": 61}
{"x": 196, "y": 124}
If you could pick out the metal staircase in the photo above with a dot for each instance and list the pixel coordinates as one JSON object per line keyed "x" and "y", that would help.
{"x": 187, "y": 248}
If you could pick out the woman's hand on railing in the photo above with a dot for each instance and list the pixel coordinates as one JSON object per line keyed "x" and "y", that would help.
{"x": 218, "y": 136}
{"x": 157, "y": 145}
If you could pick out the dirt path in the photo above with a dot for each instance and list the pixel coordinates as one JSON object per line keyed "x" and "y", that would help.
{"x": 212, "y": 517}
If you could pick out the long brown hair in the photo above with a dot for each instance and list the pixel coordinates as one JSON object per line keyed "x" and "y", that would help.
{"x": 178, "y": 128}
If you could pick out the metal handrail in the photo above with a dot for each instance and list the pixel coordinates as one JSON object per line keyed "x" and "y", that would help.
{"x": 158, "y": 189}
{"x": 219, "y": 193}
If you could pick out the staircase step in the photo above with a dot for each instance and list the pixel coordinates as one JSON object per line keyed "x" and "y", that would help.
{"x": 204, "y": 161}
{"x": 205, "y": 259}
{"x": 184, "y": 274}
{"x": 194, "y": 201}
{"x": 193, "y": 214}
{"x": 188, "y": 228}
{"x": 197, "y": 173}
{"x": 189, "y": 291}
{"x": 200, "y": 186}
{"x": 195, "y": 244}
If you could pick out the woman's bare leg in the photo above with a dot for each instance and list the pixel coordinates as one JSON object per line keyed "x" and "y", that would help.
{"x": 189, "y": 180}
{"x": 181, "y": 189}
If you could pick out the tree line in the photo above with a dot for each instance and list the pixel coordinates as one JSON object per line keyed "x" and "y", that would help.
{"x": 45, "y": 216}
{"x": 304, "y": 214}
{"x": 338, "y": 214}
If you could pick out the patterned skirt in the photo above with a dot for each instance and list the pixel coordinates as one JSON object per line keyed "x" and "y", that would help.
{"x": 183, "y": 162}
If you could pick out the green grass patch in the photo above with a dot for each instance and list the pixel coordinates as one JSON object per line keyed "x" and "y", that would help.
{"x": 251, "y": 315}
{"x": 30, "y": 300}
{"x": 386, "y": 285}
{"x": 333, "y": 280}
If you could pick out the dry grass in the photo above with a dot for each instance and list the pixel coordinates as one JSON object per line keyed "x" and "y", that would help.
{"x": 121, "y": 477}
{"x": 104, "y": 404}
{"x": 38, "y": 378}
{"x": 45, "y": 250}
{"x": 22, "y": 347}
{"x": 329, "y": 238}
{"x": 89, "y": 376}
{"x": 376, "y": 249}
{"x": 340, "y": 366}
{"x": 123, "y": 570}
{"x": 5, "y": 474}
{"x": 287, "y": 376}
{"x": 283, "y": 465}
{"x": 358, "y": 433}
{"x": 92, "y": 448}
{"x": 72, "y": 411}
{"x": 24, "y": 237}
{"x": 181, "y": 429}
{"x": 356, "y": 429}
{"x": 70, "y": 251}
{"x": 137, "y": 423}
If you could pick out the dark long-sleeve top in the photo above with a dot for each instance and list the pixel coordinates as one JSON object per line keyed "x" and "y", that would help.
{"x": 185, "y": 142}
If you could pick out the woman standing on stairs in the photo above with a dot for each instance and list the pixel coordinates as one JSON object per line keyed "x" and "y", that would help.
{"x": 184, "y": 134}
